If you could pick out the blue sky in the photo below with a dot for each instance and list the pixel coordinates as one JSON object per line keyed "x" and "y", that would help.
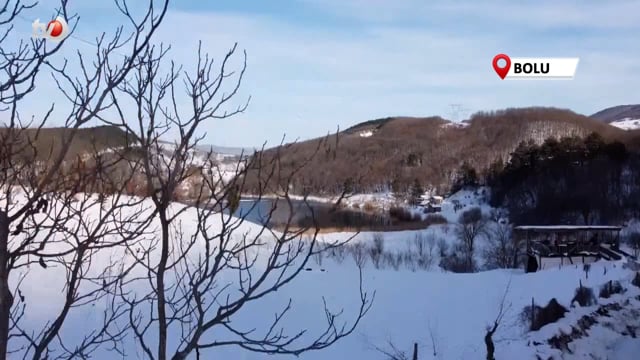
{"x": 316, "y": 65}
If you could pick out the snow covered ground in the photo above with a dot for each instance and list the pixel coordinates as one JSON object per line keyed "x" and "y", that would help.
{"x": 451, "y": 208}
{"x": 427, "y": 307}
{"x": 627, "y": 124}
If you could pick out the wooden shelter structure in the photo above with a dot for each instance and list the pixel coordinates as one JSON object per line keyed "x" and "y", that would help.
{"x": 583, "y": 243}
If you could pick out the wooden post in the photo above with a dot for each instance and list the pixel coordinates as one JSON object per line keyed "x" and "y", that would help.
{"x": 533, "y": 312}
{"x": 415, "y": 351}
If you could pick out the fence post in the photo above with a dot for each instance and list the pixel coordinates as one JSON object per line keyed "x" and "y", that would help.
{"x": 415, "y": 351}
{"x": 533, "y": 313}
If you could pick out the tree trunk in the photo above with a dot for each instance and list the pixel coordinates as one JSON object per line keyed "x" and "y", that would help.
{"x": 6, "y": 298}
{"x": 160, "y": 286}
{"x": 533, "y": 315}
{"x": 488, "y": 340}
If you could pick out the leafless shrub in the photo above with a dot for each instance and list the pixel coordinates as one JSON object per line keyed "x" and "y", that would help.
{"x": 359, "y": 253}
{"x": 339, "y": 254}
{"x": 318, "y": 257}
{"x": 392, "y": 352}
{"x": 503, "y": 250}
{"x": 471, "y": 225}
{"x": 610, "y": 288}
{"x": 402, "y": 214}
{"x": 455, "y": 263}
{"x": 424, "y": 247}
{"x": 584, "y": 296}
{"x": 377, "y": 249}
{"x": 537, "y": 316}
{"x": 443, "y": 247}
{"x": 410, "y": 260}
{"x": 435, "y": 219}
{"x": 393, "y": 260}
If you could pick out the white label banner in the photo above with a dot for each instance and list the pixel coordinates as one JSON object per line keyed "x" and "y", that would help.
{"x": 542, "y": 68}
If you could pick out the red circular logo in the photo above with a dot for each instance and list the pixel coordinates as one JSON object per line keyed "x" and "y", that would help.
{"x": 55, "y": 28}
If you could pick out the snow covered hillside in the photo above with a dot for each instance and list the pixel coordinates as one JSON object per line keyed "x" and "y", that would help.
{"x": 445, "y": 313}
{"x": 627, "y": 124}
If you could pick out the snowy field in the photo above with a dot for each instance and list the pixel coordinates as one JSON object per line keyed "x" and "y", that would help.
{"x": 627, "y": 124}
{"x": 450, "y": 311}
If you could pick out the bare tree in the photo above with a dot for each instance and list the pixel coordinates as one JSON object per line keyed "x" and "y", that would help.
{"x": 41, "y": 219}
{"x": 471, "y": 225}
{"x": 503, "y": 308}
{"x": 503, "y": 250}
{"x": 194, "y": 284}
{"x": 424, "y": 246}
{"x": 62, "y": 238}
{"x": 392, "y": 352}
{"x": 377, "y": 249}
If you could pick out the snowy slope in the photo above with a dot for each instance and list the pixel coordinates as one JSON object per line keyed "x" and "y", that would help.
{"x": 627, "y": 124}
{"x": 408, "y": 306}
{"x": 224, "y": 166}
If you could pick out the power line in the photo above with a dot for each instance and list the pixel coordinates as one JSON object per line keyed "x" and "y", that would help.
{"x": 457, "y": 110}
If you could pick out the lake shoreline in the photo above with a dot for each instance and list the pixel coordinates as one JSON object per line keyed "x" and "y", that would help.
{"x": 344, "y": 219}
{"x": 405, "y": 226}
{"x": 320, "y": 199}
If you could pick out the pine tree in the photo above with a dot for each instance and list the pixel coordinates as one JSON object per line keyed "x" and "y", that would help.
{"x": 465, "y": 178}
{"x": 233, "y": 198}
{"x": 416, "y": 192}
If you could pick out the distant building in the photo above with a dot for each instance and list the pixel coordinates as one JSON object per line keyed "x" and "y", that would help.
{"x": 432, "y": 203}
{"x": 557, "y": 245}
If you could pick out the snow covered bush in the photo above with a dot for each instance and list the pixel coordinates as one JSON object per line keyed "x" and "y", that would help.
{"x": 458, "y": 264}
{"x": 472, "y": 225}
{"x": 610, "y": 288}
{"x": 584, "y": 296}
{"x": 536, "y": 316}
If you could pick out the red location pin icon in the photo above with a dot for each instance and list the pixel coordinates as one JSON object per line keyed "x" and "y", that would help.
{"x": 501, "y": 71}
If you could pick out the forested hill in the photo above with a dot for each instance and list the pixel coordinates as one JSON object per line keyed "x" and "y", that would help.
{"x": 588, "y": 181}
{"x": 398, "y": 150}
